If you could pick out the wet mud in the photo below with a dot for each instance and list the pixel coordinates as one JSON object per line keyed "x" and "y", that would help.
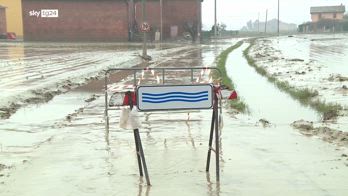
{"x": 317, "y": 62}
{"x": 307, "y": 128}
{"x": 61, "y": 146}
{"x": 35, "y": 73}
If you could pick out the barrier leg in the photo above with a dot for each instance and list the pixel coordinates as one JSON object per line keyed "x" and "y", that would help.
{"x": 107, "y": 132}
{"x": 142, "y": 156}
{"x": 210, "y": 141}
{"x": 106, "y": 113}
{"x": 217, "y": 150}
{"x": 138, "y": 153}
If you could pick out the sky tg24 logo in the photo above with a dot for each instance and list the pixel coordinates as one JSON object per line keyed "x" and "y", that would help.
{"x": 45, "y": 13}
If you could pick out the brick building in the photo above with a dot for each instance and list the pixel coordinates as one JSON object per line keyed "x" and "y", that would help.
{"x": 325, "y": 19}
{"x": 327, "y": 13}
{"x": 107, "y": 20}
{"x": 3, "y": 28}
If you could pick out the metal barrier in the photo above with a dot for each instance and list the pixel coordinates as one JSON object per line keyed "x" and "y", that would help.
{"x": 165, "y": 98}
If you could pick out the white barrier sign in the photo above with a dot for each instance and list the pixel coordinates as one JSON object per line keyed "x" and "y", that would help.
{"x": 170, "y": 97}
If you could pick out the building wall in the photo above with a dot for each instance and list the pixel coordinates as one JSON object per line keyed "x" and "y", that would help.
{"x": 3, "y": 28}
{"x": 13, "y": 16}
{"x": 317, "y": 17}
{"x": 179, "y": 12}
{"x": 79, "y": 20}
{"x": 105, "y": 20}
{"x": 175, "y": 13}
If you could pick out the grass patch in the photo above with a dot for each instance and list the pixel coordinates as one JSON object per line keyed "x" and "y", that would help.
{"x": 236, "y": 104}
{"x": 304, "y": 96}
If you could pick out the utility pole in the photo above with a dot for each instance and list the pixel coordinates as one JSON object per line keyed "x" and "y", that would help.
{"x": 144, "y": 37}
{"x": 266, "y": 21}
{"x": 131, "y": 19}
{"x": 161, "y": 5}
{"x": 199, "y": 21}
{"x": 215, "y": 21}
{"x": 258, "y": 22}
{"x": 278, "y": 18}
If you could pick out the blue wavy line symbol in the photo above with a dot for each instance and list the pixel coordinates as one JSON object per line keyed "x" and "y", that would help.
{"x": 175, "y": 97}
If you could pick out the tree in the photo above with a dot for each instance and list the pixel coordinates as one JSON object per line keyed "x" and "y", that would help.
{"x": 223, "y": 27}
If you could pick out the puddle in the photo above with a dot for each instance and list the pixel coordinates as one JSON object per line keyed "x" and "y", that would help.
{"x": 54, "y": 110}
{"x": 264, "y": 100}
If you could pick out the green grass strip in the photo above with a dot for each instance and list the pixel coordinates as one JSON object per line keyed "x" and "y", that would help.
{"x": 236, "y": 104}
{"x": 304, "y": 96}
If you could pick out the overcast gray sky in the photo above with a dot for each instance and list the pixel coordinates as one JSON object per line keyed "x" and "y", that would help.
{"x": 235, "y": 13}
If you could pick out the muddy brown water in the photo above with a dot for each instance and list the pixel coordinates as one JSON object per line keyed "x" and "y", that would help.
{"x": 317, "y": 62}
{"x": 263, "y": 98}
{"x": 328, "y": 50}
{"x": 254, "y": 160}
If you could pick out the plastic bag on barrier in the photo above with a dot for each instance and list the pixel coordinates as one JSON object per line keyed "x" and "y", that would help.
{"x": 134, "y": 119}
{"x": 125, "y": 111}
{"x": 129, "y": 119}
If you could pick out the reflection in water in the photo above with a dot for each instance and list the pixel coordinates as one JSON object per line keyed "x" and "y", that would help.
{"x": 16, "y": 52}
{"x": 211, "y": 191}
{"x": 106, "y": 135}
{"x": 149, "y": 138}
{"x": 12, "y": 51}
{"x": 189, "y": 132}
{"x": 141, "y": 187}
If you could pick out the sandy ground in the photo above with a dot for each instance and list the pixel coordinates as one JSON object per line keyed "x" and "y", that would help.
{"x": 59, "y": 147}
{"x": 318, "y": 62}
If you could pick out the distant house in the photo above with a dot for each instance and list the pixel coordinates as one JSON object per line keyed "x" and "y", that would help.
{"x": 328, "y": 13}
{"x": 324, "y": 19}
{"x": 3, "y": 28}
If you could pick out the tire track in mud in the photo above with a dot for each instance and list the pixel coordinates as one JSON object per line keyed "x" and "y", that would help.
{"x": 38, "y": 64}
{"x": 42, "y": 94}
{"x": 52, "y": 67}
{"x": 44, "y": 76}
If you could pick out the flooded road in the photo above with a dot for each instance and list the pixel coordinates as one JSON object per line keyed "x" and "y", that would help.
{"x": 330, "y": 50}
{"x": 318, "y": 62}
{"x": 313, "y": 61}
{"x": 73, "y": 158}
{"x": 264, "y": 100}
{"x": 35, "y": 72}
